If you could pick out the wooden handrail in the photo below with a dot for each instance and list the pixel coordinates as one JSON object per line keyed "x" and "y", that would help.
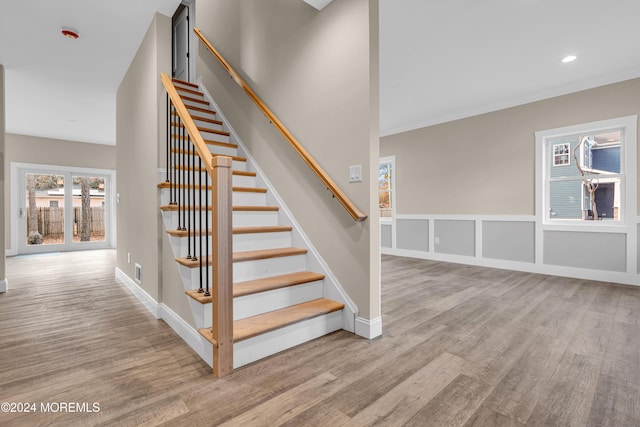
{"x": 189, "y": 124}
{"x": 351, "y": 208}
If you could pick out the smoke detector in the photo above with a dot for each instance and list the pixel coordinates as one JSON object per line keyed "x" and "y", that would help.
{"x": 69, "y": 33}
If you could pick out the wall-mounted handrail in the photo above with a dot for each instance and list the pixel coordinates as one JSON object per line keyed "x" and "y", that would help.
{"x": 351, "y": 208}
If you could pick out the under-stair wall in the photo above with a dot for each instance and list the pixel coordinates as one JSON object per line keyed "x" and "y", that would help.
{"x": 314, "y": 70}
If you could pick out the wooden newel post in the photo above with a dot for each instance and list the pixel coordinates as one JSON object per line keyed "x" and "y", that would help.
{"x": 222, "y": 266}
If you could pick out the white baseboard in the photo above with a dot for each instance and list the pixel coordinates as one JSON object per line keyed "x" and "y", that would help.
{"x": 551, "y": 270}
{"x": 187, "y": 332}
{"x": 369, "y": 328}
{"x": 141, "y": 294}
{"x": 4, "y": 285}
{"x": 162, "y": 312}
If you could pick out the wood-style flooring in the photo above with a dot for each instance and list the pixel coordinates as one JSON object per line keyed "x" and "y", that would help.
{"x": 462, "y": 346}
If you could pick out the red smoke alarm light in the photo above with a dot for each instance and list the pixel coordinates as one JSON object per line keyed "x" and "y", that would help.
{"x": 68, "y": 32}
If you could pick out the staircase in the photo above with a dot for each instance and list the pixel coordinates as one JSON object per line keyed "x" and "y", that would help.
{"x": 278, "y": 300}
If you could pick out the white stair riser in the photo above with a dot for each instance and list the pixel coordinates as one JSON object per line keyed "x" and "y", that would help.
{"x": 192, "y": 160}
{"x": 194, "y": 196}
{"x": 258, "y": 241}
{"x": 238, "y": 198}
{"x": 205, "y": 124}
{"x": 242, "y": 198}
{"x": 213, "y": 148}
{"x": 241, "y": 242}
{"x": 239, "y": 219}
{"x": 213, "y": 136}
{"x": 259, "y": 269}
{"x": 248, "y": 351}
{"x": 248, "y": 270}
{"x": 254, "y": 218}
{"x": 264, "y": 302}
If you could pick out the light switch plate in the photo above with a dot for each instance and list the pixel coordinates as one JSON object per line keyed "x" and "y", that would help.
{"x": 355, "y": 173}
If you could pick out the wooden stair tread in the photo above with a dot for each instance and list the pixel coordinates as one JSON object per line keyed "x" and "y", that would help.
{"x": 191, "y": 99}
{"x": 274, "y": 282}
{"x": 248, "y": 256}
{"x": 243, "y": 208}
{"x": 191, "y": 91}
{"x": 250, "y": 327}
{"x": 209, "y": 141}
{"x": 204, "y": 129}
{"x": 262, "y": 229}
{"x": 256, "y": 286}
{"x": 267, "y": 254}
{"x": 183, "y": 82}
{"x": 238, "y": 230}
{"x": 202, "y": 119}
{"x": 202, "y": 110}
{"x": 191, "y": 152}
{"x": 166, "y": 184}
{"x": 233, "y": 171}
{"x": 256, "y": 325}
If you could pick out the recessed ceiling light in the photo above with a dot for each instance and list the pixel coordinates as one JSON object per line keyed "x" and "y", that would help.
{"x": 569, "y": 58}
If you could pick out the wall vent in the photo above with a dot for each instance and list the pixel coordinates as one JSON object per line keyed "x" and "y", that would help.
{"x": 138, "y": 275}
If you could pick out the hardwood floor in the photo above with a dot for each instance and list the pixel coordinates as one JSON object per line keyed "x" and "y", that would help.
{"x": 462, "y": 346}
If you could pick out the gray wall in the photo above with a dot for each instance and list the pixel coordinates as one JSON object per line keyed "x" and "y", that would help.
{"x": 484, "y": 165}
{"x": 317, "y": 70}
{"x": 509, "y": 240}
{"x": 55, "y": 152}
{"x": 413, "y": 234}
{"x": 140, "y": 120}
{"x": 455, "y": 237}
{"x": 597, "y": 251}
{"x": 2, "y": 177}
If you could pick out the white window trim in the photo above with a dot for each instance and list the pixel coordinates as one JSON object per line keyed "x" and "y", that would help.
{"x": 18, "y": 168}
{"x": 628, "y": 175}
{"x": 392, "y": 160}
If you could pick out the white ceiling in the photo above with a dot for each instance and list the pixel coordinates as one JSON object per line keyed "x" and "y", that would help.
{"x": 440, "y": 59}
{"x": 63, "y": 88}
{"x": 443, "y": 60}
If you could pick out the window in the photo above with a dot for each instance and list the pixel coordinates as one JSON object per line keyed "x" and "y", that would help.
{"x": 560, "y": 154}
{"x": 582, "y": 172}
{"x": 386, "y": 187}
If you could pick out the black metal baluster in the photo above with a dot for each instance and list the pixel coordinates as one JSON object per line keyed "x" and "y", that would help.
{"x": 200, "y": 211}
{"x": 173, "y": 164}
{"x": 193, "y": 211}
{"x": 189, "y": 199}
{"x": 185, "y": 188}
{"x": 168, "y": 139}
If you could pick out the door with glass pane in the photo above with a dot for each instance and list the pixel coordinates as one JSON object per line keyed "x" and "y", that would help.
{"x": 62, "y": 211}
{"x": 43, "y": 211}
{"x": 89, "y": 207}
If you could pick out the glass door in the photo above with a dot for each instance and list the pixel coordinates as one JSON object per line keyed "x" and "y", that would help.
{"x": 89, "y": 208}
{"x": 44, "y": 209}
{"x": 62, "y": 211}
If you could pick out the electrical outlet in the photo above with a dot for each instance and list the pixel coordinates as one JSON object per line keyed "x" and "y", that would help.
{"x": 436, "y": 240}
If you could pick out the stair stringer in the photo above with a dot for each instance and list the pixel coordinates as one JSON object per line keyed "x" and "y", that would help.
{"x": 331, "y": 286}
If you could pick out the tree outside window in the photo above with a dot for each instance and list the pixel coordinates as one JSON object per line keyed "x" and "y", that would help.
{"x": 386, "y": 187}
